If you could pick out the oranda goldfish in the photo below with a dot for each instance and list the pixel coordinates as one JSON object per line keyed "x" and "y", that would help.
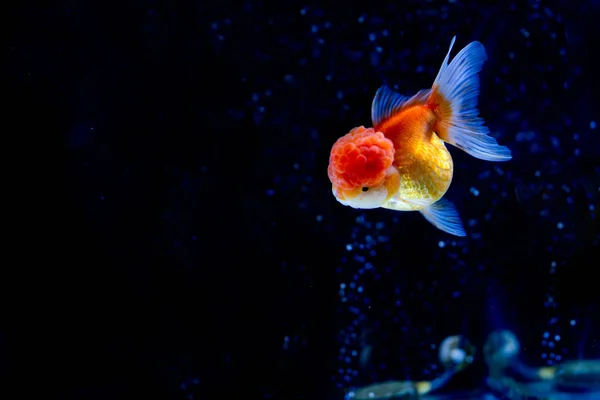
{"x": 402, "y": 163}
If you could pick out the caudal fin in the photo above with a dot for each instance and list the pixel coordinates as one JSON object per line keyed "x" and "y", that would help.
{"x": 454, "y": 98}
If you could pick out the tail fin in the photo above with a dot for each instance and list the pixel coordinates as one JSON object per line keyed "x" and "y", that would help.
{"x": 454, "y": 97}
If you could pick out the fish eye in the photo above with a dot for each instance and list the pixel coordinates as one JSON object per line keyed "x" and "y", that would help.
{"x": 364, "y": 189}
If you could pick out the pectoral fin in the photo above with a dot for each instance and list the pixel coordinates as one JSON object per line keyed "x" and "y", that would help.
{"x": 443, "y": 215}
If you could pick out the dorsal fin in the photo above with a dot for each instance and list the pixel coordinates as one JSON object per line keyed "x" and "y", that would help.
{"x": 386, "y": 103}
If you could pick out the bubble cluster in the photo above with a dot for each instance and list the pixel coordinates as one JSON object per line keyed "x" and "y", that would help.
{"x": 379, "y": 335}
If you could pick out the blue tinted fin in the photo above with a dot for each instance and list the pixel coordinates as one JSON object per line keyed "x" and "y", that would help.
{"x": 443, "y": 215}
{"x": 455, "y": 94}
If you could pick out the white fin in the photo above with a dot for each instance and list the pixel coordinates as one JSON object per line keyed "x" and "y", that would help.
{"x": 456, "y": 89}
{"x": 443, "y": 215}
{"x": 386, "y": 103}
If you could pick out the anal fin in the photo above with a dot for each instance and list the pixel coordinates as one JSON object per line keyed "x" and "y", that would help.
{"x": 443, "y": 215}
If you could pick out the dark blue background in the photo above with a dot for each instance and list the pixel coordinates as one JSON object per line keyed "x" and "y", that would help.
{"x": 196, "y": 228}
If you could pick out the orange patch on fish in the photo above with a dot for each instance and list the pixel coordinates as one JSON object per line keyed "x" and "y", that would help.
{"x": 360, "y": 159}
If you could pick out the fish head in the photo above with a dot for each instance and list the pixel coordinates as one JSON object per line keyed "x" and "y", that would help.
{"x": 361, "y": 169}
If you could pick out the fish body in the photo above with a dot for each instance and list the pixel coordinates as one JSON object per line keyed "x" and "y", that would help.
{"x": 402, "y": 162}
